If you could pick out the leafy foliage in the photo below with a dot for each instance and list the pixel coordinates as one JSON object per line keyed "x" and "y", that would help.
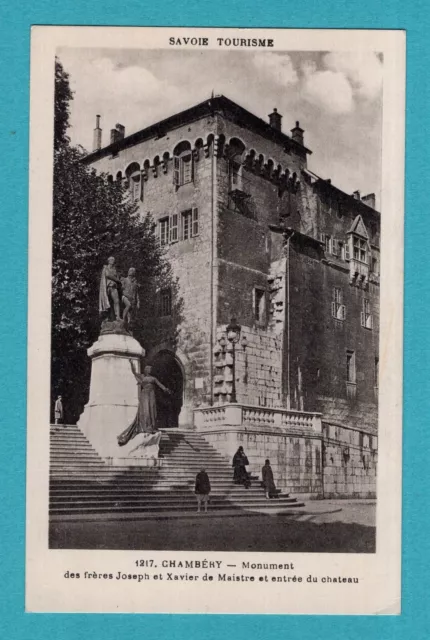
{"x": 93, "y": 219}
{"x": 62, "y": 99}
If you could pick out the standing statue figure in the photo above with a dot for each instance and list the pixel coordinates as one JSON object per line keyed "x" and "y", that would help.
{"x": 109, "y": 299}
{"x": 146, "y": 417}
{"x": 130, "y": 296}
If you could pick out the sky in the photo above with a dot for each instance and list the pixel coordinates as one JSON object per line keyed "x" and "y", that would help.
{"x": 336, "y": 96}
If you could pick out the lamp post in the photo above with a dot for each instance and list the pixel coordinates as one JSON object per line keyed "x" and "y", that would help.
{"x": 233, "y": 336}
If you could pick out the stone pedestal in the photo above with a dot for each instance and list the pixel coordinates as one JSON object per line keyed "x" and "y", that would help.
{"x": 113, "y": 400}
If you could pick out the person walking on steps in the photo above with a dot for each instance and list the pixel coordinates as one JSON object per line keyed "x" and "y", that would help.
{"x": 268, "y": 481}
{"x": 202, "y": 489}
{"x": 240, "y": 462}
{"x": 58, "y": 411}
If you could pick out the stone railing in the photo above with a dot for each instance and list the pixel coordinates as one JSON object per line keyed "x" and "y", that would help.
{"x": 239, "y": 415}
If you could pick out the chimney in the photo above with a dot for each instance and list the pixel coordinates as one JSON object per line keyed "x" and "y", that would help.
{"x": 117, "y": 134}
{"x": 356, "y": 195}
{"x": 275, "y": 120}
{"x": 97, "y": 136}
{"x": 370, "y": 200}
{"x": 113, "y": 135}
{"x": 297, "y": 133}
{"x": 121, "y": 131}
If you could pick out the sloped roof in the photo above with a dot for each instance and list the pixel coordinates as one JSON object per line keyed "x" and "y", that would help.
{"x": 358, "y": 227}
{"x": 216, "y": 104}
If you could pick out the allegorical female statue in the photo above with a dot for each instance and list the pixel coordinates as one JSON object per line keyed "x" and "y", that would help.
{"x": 146, "y": 417}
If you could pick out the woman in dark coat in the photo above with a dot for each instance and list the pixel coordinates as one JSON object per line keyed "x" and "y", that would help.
{"x": 146, "y": 417}
{"x": 268, "y": 481}
{"x": 240, "y": 475}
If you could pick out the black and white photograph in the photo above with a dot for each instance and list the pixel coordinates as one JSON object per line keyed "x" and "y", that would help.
{"x": 216, "y": 348}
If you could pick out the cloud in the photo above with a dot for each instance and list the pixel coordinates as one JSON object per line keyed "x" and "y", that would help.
{"x": 130, "y": 95}
{"x": 276, "y": 67}
{"x": 327, "y": 88}
{"x": 363, "y": 71}
{"x": 341, "y": 80}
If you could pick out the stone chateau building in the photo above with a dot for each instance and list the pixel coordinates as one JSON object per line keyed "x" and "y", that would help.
{"x": 253, "y": 235}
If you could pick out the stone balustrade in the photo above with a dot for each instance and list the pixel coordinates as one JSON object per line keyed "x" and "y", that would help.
{"x": 243, "y": 416}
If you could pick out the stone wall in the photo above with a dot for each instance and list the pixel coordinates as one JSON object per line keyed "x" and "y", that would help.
{"x": 340, "y": 463}
{"x": 191, "y": 259}
{"x": 349, "y": 463}
{"x": 319, "y": 342}
{"x": 295, "y": 460}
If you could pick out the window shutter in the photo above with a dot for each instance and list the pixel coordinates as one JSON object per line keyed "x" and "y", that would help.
{"x": 192, "y": 168}
{"x": 341, "y": 312}
{"x": 362, "y": 319}
{"x": 173, "y": 232}
{"x": 347, "y": 249}
{"x": 195, "y": 227}
{"x": 333, "y": 309}
{"x": 176, "y": 172}
{"x": 141, "y": 188}
{"x": 334, "y": 247}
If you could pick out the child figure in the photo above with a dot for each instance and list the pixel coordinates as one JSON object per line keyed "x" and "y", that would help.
{"x": 202, "y": 489}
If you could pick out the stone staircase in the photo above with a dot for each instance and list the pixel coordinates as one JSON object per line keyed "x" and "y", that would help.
{"x": 81, "y": 483}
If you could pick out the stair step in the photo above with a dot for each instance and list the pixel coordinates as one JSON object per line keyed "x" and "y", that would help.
{"x": 160, "y": 509}
{"x": 82, "y": 483}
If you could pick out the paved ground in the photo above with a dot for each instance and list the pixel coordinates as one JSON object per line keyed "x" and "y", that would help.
{"x": 343, "y": 526}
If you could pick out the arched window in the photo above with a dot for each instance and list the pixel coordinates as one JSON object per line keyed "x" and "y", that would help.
{"x": 234, "y": 152}
{"x": 134, "y": 179}
{"x": 183, "y": 169}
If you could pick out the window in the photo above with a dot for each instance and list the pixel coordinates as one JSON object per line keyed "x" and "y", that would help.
{"x": 375, "y": 266}
{"x": 186, "y": 224}
{"x": 350, "y": 367}
{"x": 183, "y": 168}
{"x": 359, "y": 249}
{"x": 337, "y": 307}
{"x": 366, "y": 316}
{"x": 327, "y": 243}
{"x": 235, "y": 175}
{"x": 190, "y": 223}
{"x": 341, "y": 249}
{"x": 165, "y": 302}
{"x": 195, "y": 228}
{"x": 164, "y": 231}
{"x": 135, "y": 187}
{"x": 376, "y": 373}
{"x": 173, "y": 231}
{"x": 259, "y": 304}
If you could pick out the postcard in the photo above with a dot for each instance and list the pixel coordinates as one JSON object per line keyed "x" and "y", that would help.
{"x": 215, "y": 320}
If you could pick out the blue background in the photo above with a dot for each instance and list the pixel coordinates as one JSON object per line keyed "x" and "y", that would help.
{"x": 15, "y": 22}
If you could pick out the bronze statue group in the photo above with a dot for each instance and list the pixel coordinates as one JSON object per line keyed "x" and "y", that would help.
{"x": 123, "y": 293}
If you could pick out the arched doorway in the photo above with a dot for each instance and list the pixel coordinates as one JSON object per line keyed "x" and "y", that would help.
{"x": 167, "y": 369}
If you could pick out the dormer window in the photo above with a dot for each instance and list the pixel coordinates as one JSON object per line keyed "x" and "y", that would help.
{"x": 358, "y": 253}
{"x": 359, "y": 249}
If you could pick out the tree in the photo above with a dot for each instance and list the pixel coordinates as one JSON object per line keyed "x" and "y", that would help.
{"x": 62, "y": 98}
{"x": 92, "y": 219}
